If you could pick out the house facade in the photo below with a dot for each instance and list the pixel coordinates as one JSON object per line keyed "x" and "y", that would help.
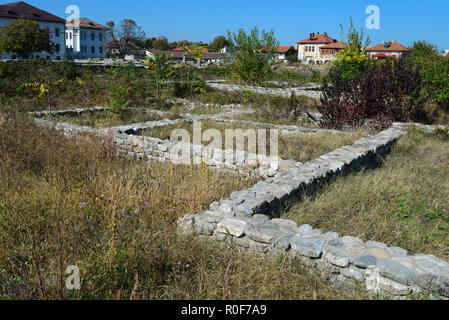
{"x": 85, "y": 39}
{"x": 329, "y": 52}
{"x": 56, "y": 25}
{"x": 387, "y": 49}
{"x": 309, "y": 50}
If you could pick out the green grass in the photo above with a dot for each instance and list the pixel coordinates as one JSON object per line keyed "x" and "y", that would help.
{"x": 405, "y": 203}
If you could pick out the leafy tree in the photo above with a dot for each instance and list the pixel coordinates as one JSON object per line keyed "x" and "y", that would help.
{"x": 353, "y": 60}
{"x": 355, "y": 39}
{"x": 160, "y": 70}
{"x": 218, "y": 44}
{"x": 253, "y": 56}
{"x": 161, "y": 44}
{"x": 435, "y": 76}
{"x": 123, "y": 35}
{"x": 24, "y": 37}
{"x": 423, "y": 53}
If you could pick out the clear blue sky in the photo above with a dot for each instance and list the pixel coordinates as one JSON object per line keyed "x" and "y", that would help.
{"x": 292, "y": 20}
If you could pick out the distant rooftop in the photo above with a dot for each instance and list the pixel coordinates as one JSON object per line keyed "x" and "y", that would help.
{"x": 84, "y": 23}
{"x": 318, "y": 39}
{"x": 389, "y": 46}
{"x": 22, "y": 9}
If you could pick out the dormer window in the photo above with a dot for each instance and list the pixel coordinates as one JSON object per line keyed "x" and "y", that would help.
{"x": 36, "y": 15}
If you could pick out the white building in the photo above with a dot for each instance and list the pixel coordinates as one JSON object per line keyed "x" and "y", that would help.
{"x": 85, "y": 39}
{"x": 309, "y": 50}
{"x": 12, "y": 11}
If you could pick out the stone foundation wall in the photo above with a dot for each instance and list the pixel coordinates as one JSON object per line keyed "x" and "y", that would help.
{"x": 249, "y": 220}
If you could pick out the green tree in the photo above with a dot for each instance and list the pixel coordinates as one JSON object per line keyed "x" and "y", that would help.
{"x": 353, "y": 60}
{"x": 161, "y": 44}
{"x": 23, "y": 37}
{"x": 160, "y": 70}
{"x": 423, "y": 52}
{"x": 253, "y": 56}
{"x": 218, "y": 44}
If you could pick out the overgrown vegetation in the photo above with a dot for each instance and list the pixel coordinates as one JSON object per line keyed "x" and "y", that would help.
{"x": 65, "y": 202}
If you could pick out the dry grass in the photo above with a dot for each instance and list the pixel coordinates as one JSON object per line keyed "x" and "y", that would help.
{"x": 107, "y": 119}
{"x": 404, "y": 203}
{"x": 65, "y": 202}
{"x": 302, "y": 148}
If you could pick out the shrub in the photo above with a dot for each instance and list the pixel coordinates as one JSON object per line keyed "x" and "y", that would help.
{"x": 386, "y": 92}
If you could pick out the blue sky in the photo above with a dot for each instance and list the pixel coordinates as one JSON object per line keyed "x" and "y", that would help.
{"x": 292, "y": 20}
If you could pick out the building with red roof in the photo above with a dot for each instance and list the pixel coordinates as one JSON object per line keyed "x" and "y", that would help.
{"x": 387, "y": 49}
{"x": 309, "y": 50}
{"x": 329, "y": 51}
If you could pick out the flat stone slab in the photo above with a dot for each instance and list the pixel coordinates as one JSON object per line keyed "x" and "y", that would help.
{"x": 312, "y": 248}
{"x": 232, "y": 227}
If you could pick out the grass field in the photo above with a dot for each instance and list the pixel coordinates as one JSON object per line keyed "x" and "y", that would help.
{"x": 65, "y": 202}
{"x": 405, "y": 203}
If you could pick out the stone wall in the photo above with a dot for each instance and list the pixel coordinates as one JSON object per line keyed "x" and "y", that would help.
{"x": 301, "y": 91}
{"x": 249, "y": 220}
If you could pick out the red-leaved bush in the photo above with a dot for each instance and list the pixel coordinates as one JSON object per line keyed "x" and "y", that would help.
{"x": 386, "y": 92}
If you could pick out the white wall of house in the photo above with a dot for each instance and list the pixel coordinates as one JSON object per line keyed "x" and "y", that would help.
{"x": 83, "y": 43}
{"x": 308, "y": 52}
{"x": 57, "y": 31}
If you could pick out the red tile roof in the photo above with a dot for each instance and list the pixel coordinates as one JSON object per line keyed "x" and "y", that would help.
{"x": 84, "y": 23}
{"x": 336, "y": 45}
{"x": 21, "y": 9}
{"x": 389, "y": 47}
{"x": 318, "y": 39}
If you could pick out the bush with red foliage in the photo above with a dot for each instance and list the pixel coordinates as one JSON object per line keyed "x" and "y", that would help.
{"x": 386, "y": 92}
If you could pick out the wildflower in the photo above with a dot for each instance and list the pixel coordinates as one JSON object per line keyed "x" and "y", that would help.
{"x": 118, "y": 214}
{"x": 123, "y": 211}
{"x": 145, "y": 203}
{"x": 109, "y": 199}
{"x": 82, "y": 204}
{"x": 137, "y": 211}
{"x": 127, "y": 217}
{"x": 75, "y": 228}
{"x": 91, "y": 228}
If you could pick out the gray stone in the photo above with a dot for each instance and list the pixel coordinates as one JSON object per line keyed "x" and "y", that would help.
{"x": 263, "y": 232}
{"x": 365, "y": 261}
{"x": 312, "y": 248}
{"x": 375, "y": 244}
{"x": 232, "y": 227}
{"x": 434, "y": 283}
{"x": 397, "y": 272}
{"x": 395, "y": 251}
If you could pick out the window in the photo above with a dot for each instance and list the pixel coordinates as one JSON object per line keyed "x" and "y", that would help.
{"x": 58, "y": 47}
{"x": 93, "y": 49}
{"x": 67, "y": 36}
{"x": 70, "y": 35}
{"x": 313, "y": 49}
{"x": 101, "y": 49}
{"x": 100, "y": 37}
{"x": 57, "y": 32}
{"x": 92, "y": 36}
